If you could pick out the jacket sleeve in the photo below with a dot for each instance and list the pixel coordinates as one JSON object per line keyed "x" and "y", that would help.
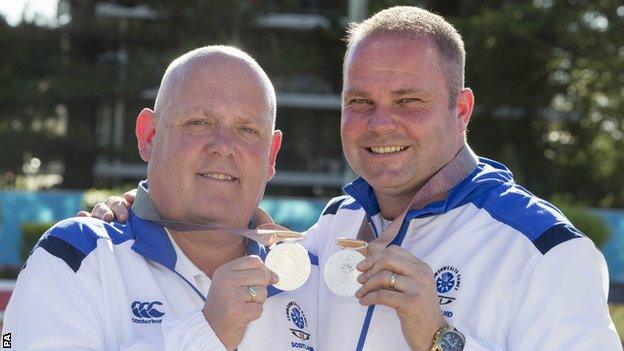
{"x": 562, "y": 304}
{"x": 54, "y": 308}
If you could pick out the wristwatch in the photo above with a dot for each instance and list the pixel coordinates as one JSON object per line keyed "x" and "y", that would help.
{"x": 448, "y": 339}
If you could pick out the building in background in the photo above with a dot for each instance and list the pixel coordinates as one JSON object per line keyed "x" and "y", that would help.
{"x": 297, "y": 42}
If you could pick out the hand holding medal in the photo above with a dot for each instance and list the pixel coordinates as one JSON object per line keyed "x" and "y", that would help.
{"x": 340, "y": 270}
{"x": 289, "y": 260}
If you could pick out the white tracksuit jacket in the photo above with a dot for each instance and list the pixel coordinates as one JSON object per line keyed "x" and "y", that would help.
{"x": 90, "y": 285}
{"x": 511, "y": 272}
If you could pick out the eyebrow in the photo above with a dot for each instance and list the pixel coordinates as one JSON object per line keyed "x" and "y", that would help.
{"x": 398, "y": 92}
{"x": 405, "y": 91}
{"x": 184, "y": 111}
{"x": 355, "y": 92}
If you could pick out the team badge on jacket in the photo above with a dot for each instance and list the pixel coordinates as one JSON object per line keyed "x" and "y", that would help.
{"x": 448, "y": 281}
{"x": 295, "y": 315}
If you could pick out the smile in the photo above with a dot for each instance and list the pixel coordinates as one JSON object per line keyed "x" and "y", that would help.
{"x": 386, "y": 149}
{"x": 217, "y": 176}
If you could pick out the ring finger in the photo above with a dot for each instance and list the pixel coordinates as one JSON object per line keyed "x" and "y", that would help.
{"x": 380, "y": 281}
{"x": 259, "y": 291}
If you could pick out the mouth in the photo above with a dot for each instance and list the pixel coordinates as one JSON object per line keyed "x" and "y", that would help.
{"x": 386, "y": 149}
{"x": 217, "y": 176}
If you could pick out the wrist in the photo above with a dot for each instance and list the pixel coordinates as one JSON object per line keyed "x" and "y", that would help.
{"x": 218, "y": 332}
{"x": 447, "y": 338}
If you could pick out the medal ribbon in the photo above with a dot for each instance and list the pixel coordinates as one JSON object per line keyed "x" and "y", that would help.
{"x": 144, "y": 208}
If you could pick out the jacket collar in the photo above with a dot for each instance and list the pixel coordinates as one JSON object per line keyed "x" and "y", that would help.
{"x": 444, "y": 191}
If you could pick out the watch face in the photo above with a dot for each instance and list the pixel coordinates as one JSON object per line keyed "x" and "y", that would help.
{"x": 451, "y": 341}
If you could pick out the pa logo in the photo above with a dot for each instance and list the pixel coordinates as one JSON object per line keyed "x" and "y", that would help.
{"x": 6, "y": 341}
{"x": 146, "y": 309}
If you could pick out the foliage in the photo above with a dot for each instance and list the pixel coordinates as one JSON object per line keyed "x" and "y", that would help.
{"x": 31, "y": 232}
{"x": 547, "y": 76}
{"x": 583, "y": 219}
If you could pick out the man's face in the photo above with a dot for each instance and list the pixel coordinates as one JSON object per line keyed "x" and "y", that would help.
{"x": 397, "y": 127}
{"x": 214, "y": 147}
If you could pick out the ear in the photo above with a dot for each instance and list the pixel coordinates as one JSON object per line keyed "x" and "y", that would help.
{"x": 145, "y": 132}
{"x": 465, "y": 104}
{"x": 276, "y": 144}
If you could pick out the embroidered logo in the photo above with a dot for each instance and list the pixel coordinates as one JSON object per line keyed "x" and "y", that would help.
{"x": 448, "y": 281}
{"x": 146, "y": 312}
{"x": 295, "y": 315}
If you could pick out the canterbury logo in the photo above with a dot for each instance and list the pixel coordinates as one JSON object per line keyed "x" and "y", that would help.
{"x": 146, "y": 309}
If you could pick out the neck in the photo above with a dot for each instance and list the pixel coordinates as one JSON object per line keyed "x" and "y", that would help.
{"x": 209, "y": 250}
{"x": 391, "y": 206}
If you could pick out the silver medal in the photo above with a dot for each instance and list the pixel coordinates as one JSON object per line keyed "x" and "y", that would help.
{"x": 291, "y": 263}
{"x": 340, "y": 272}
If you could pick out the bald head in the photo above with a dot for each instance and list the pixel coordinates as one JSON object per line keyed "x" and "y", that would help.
{"x": 210, "y": 142}
{"x": 210, "y": 62}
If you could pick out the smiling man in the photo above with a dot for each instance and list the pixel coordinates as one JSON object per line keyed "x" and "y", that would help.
{"x": 211, "y": 146}
{"x": 460, "y": 256}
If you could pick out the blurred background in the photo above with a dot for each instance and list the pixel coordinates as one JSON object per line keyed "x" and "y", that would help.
{"x": 548, "y": 77}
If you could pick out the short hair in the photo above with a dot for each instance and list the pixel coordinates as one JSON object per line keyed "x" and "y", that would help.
{"x": 415, "y": 22}
{"x": 177, "y": 70}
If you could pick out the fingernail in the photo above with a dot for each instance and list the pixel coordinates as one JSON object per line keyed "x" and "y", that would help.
{"x": 122, "y": 217}
{"x": 361, "y": 266}
{"x": 361, "y": 278}
{"x": 275, "y": 277}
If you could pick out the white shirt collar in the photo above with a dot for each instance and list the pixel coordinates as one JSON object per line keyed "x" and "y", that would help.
{"x": 188, "y": 269}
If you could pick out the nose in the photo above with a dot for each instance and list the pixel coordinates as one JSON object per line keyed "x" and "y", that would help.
{"x": 222, "y": 142}
{"x": 382, "y": 120}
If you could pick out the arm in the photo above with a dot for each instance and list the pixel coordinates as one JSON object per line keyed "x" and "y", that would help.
{"x": 55, "y": 308}
{"x": 563, "y": 305}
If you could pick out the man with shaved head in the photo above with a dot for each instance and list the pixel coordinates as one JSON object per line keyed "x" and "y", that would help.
{"x": 149, "y": 284}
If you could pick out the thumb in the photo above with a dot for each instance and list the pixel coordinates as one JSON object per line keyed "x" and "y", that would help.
{"x": 374, "y": 247}
{"x": 129, "y": 197}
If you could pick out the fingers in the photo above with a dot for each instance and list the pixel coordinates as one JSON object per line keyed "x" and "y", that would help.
{"x": 374, "y": 247}
{"x": 246, "y": 271}
{"x": 103, "y": 212}
{"x": 83, "y": 214}
{"x": 252, "y": 311}
{"x": 251, "y": 277}
{"x": 261, "y": 296}
{"x": 130, "y": 196}
{"x": 392, "y": 258}
{"x": 381, "y": 281}
{"x": 389, "y": 298}
{"x": 119, "y": 207}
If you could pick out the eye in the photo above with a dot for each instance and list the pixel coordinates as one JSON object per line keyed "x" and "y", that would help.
{"x": 408, "y": 100}
{"x": 360, "y": 101}
{"x": 197, "y": 124}
{"x": 250, "y": 130}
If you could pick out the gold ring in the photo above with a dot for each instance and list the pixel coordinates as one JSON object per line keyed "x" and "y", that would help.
{"x": 393, "y": 277}
{"x": 253, "y": 292}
